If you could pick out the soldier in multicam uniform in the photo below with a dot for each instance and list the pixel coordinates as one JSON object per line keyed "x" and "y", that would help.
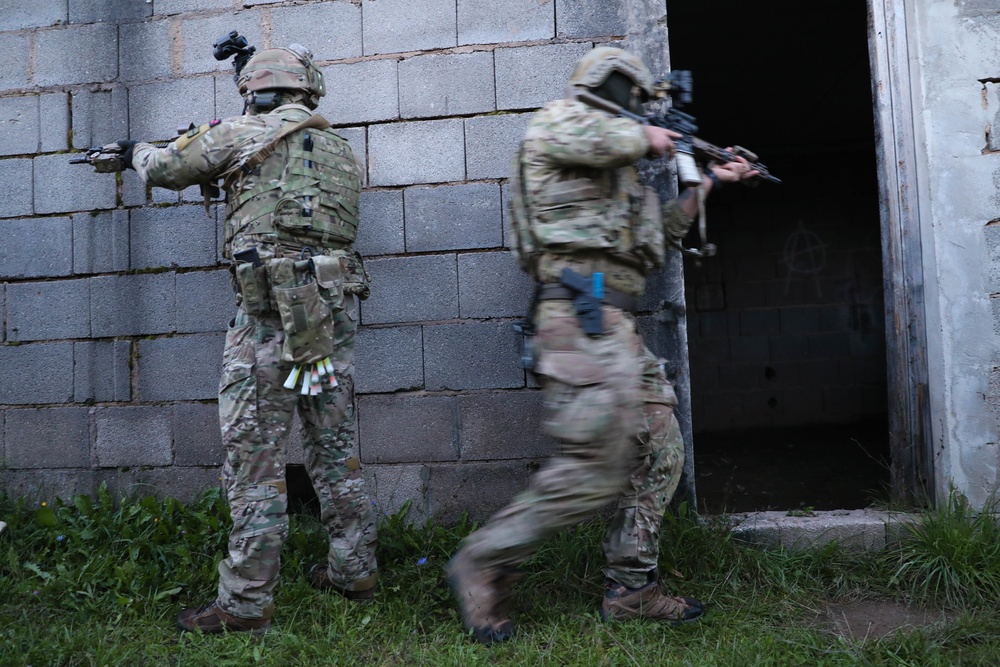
{"x": 292, "y": 189}
{"x": 577, "y": 203}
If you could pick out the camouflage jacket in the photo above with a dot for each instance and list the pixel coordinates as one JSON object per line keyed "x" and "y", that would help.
{"x": 293, "y": 197}
{"x": 582, "y": 195}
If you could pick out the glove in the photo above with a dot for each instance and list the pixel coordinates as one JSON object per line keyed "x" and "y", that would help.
{"x": 127, "y": 148}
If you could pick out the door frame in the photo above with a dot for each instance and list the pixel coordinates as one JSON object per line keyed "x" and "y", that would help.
{"x": 911, "y": 468}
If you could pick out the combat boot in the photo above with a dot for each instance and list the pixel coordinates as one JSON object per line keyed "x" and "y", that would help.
{"x": 317, "y": 574}
{"x": 649, "y": 601}
{"x": 481, "y": 597}
{"x": 210, "y": 619}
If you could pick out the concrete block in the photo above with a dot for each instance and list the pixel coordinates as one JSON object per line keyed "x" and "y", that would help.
{"x": 20, "y": 14}
{"x": 360, "y": 92}
{"x": 132, "y": 305}
{"x": 760, "y": 349}
{"x": 48, "y": 310}
{"x": 453, "y": 217}
{"x": 134, "y": 192}
{"x": 156, "y": 110}
{"x": 100, "y": 242}
{"x": 474, "y": 355}
{"x": 392, "y": 486}
{"x": 491, "y": 143}
{"x": 446, "y": 85}
{"x": 171, "y": 236}
{"x": 498, "y": 21}
{"x": 94, "y": 11}
{"x": 185, "y": 484}
{"x": 47, "y": 485}
{"x": 77, "y": 54}
{"x": 197, "y": 437}
{"x": 47, "y": 438}
{"x": 431, "y": 151}
{"x": 476, "y": 489}
{"x": 145, "y": 50}
{"x": 407, "y": 429}
{"x": 185, "y": 368}
{"x": 394, "y": 26}
{"x": 36, "y": 373}
{"x": 530, "y": 76}
{"x": 99, "y": 117}
{"x": 63, "y": 187}
{"x": 206, "y": 301}
{"x": 16, "y": 174}
{"x": 19, "y": 133}
{"x": 411, "y": 289}
{"x": 54, "y": 116}
{"x": 591, "y": 18}
{"x": 198, "y": 34}
{"x": 389, "y": 359}
{"x": 782, "y": 348}
{"x": 21, "y": 254}
{"x": 310, "y": 25}
{"x": 491, "y": 284}
{"x": 17, "y": 54}
{"x": 228, "y": 102}
{"x": 759, "y": 321}
{"x": 102, "y": 371}
{"x": 854, "y": 530}
{"x": 503, "y": 425}
{"x": 829, "y": 346}
{"x": 381, "y": 230}
{"x": 170, "y": 7}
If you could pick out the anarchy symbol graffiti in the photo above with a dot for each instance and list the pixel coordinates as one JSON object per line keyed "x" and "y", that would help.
{"x": 805, "y": 255}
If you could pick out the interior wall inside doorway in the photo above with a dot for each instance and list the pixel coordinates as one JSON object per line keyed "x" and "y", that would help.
{"x": 786, "y": 324}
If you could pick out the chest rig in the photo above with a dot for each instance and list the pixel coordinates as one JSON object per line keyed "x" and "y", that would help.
{"x": 301, "y": 189}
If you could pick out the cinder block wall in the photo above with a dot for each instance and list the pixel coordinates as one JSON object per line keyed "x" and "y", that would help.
{"x": 115, "y": 298}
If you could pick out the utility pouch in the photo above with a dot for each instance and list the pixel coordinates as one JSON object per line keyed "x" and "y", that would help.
{"x": 329, "y": 276}
{"x": 252, "y": 283}
{"x": 306, "y": 317}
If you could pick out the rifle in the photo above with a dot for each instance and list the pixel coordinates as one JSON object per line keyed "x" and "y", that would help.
{"x": 684, "y": 124}
{"x": 107, "y": 159}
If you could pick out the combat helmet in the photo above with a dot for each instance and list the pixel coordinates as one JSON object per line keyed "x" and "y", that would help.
{"x": 594, "y": 68}
{"x": 288, "y": 68}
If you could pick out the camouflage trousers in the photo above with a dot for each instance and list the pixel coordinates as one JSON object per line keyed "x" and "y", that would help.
{"x": 255, "y": 413}
{"x": 610, "y": 407}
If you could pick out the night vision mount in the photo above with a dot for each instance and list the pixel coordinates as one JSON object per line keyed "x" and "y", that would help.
{"x": 234, "y": 44}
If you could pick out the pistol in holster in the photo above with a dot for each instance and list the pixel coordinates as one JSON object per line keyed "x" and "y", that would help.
{"x": 587, "y": 302}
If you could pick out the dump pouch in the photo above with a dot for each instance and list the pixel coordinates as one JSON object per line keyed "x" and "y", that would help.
{"x": 306, "y": 317}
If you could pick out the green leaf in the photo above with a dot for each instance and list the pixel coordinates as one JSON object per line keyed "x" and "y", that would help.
{"x": 46, "y": 517}
{"x": 162, "y": 594}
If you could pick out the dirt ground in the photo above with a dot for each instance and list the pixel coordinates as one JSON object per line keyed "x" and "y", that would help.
{"x": 825, "y": 467}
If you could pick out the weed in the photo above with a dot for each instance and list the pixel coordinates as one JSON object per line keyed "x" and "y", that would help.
{"x": 951, "y": 555}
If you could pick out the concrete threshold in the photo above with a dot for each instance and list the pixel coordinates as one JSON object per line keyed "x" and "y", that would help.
{"x": 854, "y": 530}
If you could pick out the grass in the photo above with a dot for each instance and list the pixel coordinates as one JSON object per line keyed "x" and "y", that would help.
{"x": 92, "y": 582}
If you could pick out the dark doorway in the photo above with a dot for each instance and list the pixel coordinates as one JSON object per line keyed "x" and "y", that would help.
{"x": 786, "y": 324}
